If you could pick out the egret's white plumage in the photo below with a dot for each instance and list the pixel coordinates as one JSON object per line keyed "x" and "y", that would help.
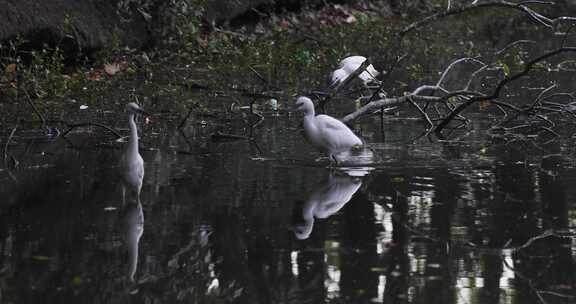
{"x": 131, "y": 163}
{"x": 326, "y": 133}
{"x": 326, "y": 200}
{"x": 350, "y": 64}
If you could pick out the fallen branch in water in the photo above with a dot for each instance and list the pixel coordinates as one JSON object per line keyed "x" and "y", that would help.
{"x": 386, "y": 103}
{"x": 449, "y": 104}
{"x": 522, "y": 7}
{"x": 219, "y": 136}
{"x": 89, "y": 124}
{"x": 34, "y": 108}
{"x": 503, "y": 82}
{"x": 6, "y": 155}
{"x": 183, "y": 122}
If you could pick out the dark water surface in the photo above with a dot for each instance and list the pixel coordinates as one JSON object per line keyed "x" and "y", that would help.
{"x": 224, "y": 221}
{"x": 472, "y": 219}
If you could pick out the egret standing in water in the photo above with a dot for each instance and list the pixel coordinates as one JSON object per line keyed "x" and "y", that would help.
{"x": 131, "y": 163}
{"x": 327, "y": 133}
{"x": 350, "y": 64}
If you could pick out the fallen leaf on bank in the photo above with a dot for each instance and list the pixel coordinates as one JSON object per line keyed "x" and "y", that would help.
{"x": 111, "y": 68}
{"x": 285, "y": 24}
{"x": 76, "y": 280}
{"x": 484, "y": 104}
{"x": 11, "y": 68}
{"x": 351, "y": 19}
{"x": 41, "y": 258}
{"x": 95, "y": 75}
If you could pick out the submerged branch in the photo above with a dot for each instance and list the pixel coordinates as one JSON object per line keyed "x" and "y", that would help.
{"x": 90, "y": 124}
{"x": 34, "y": 108}
{"x": 6, "y": 146}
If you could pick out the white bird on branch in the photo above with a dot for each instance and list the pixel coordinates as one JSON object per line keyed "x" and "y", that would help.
{"x": 131, "y": 162}
{"x": 327, "y": 133}
{"x": 350, "y": 64}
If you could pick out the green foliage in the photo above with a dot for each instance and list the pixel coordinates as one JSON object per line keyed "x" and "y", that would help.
{"x": 174, "y": 21}
{"x": 40, "y": 72}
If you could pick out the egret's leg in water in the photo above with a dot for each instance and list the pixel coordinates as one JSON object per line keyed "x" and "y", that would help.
{"x": 334, "y": 160}
{"x": 138, "y": 196}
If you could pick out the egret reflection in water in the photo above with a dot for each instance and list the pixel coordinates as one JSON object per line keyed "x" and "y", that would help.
{"x": 132, "y": 229}
{"x": 328, "y": 198}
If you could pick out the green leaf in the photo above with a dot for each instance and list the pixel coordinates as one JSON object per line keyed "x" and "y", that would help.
{"x": 76, "y": 280}
{"x": 41, "y": 258}
{"x": 505, "y": 69}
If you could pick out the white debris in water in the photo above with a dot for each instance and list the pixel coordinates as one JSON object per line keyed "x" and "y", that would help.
{"x": 83, "y": 107}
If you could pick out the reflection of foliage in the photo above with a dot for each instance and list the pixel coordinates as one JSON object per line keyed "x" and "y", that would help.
{"x": 189, "y": 275}
{"x": 294, "y": 293}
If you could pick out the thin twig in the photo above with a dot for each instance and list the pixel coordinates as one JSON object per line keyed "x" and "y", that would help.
{"x": 513, "y": 44}
{"x": 422, "y": 113}
{"x": 504, "y": 4}
{"x": 33, "y": 106}
{"x": 183, "y": 122}
{"x": 258, "y": 75}
{"x": 6, "y": 146}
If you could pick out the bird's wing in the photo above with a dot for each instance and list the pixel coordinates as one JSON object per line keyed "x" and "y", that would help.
{"x": 140, "y": 168}
{"x": 354, "y": 60}
{"x": 329, "y": 122}
{"x": 334, "y": 129}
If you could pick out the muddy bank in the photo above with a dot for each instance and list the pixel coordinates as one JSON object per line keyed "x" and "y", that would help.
{"x": 71, "y": 25}
{"x": 83, "y": 26}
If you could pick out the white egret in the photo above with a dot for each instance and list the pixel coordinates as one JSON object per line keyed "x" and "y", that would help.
{"x": 327, "y": 133}
{"x": 350, "y": 64}
{"x": 132, "y": 229}
{"x": 326, "y": 200}
{"x": 131, "y": 163}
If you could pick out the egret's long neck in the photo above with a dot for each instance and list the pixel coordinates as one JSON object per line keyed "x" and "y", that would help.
{"x": 133, "y": 141}
{"x": 310, "y": 111}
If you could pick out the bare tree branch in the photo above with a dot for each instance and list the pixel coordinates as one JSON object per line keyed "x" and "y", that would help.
{"x": 496, "y": 93}
{"x": 522, "y": 7}
{"x": 386, "y": 103}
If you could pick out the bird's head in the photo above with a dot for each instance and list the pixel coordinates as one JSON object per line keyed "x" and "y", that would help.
{"x": 134, "y": 108}
{"x": 302, "y": 231}
{"x": 338, "y": 77}
{"x": 305, "y": 105}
